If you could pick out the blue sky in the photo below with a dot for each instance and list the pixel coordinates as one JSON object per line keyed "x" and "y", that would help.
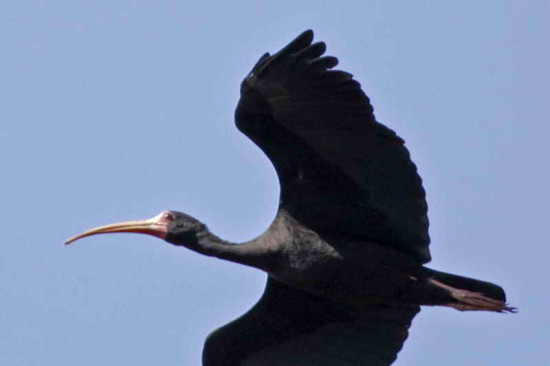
{"x": 117, "y": 110}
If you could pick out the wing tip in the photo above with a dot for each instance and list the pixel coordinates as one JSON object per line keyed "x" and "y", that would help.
{"x": 299, "y": 43}
{"x": 308, "y": 33}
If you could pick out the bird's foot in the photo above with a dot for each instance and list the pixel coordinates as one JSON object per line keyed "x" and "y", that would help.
{"x": 469, "y": 300}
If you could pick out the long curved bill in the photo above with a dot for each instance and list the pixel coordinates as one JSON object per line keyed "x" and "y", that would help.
{"x": 152, "y": 226}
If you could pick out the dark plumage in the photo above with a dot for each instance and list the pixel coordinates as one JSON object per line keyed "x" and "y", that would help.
{"x": 345, "y": 253}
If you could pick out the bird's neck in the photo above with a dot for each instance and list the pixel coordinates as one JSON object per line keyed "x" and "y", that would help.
{"x": 250, "y": 253}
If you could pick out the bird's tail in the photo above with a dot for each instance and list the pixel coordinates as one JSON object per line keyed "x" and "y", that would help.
{"x": 487, "y": 288}
{"x": 469, "y": 293}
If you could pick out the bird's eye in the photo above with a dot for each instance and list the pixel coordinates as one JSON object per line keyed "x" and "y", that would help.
{"x": 168, "y": 216}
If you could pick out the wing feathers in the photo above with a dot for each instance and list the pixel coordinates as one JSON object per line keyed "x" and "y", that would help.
{"x": 313, "y": 51}
{"x": 290, "y": 327}
{"x": 325, "y": 112}
{"x": 327, "y": 62}
{"x": 298, "y": 44}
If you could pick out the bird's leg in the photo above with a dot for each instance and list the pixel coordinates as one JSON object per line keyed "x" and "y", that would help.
{"x": 469, "y": 300}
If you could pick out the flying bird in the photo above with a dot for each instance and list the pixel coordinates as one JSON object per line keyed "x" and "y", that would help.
{"x": 345, "y": 253}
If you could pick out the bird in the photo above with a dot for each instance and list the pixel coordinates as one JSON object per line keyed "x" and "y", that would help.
{"x": 345, "y": 255}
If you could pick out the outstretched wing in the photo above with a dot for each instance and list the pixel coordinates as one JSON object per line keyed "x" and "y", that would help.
{"x": 290, "y": 327}
{"x": 340, "y": 170}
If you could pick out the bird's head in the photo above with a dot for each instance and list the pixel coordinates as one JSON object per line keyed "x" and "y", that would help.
{"x": 174, "y": 227}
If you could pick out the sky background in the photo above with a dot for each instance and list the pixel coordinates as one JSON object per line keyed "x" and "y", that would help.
{"x": 116, "y": 110}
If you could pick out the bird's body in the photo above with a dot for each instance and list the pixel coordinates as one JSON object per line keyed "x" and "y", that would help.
{"x": 345, "y": 254}
{"x": 344, "y": 269}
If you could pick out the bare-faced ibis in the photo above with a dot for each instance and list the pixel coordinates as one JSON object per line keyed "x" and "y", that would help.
{"x": 345, "y": 254}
